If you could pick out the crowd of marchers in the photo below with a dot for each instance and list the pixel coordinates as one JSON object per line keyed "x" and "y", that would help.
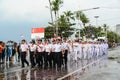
{"x": 51, "y": 53}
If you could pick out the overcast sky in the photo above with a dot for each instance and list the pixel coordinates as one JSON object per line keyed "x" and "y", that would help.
{"x": 19, "y": 16}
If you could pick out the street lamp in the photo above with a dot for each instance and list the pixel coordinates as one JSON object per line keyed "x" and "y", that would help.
{"x": 96, "y": 20}
{"x": 87, "y": 10}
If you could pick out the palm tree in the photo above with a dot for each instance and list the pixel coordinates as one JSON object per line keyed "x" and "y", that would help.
{"x": 55, "y": 8}
{"x": 69, "y": 15}
{"x": 81, "y": 16}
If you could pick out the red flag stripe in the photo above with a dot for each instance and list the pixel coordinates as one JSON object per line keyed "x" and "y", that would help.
{"x": 38, "y": 30}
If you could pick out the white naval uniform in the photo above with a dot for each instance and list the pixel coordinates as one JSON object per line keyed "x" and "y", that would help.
{"x": 75, "y": 48}
{"x": 89, "y": 50}
{"x": 93, "y": 49}
{"x": 85, "y": 50}
{"x": 97, "y": 48}
{"x": 70, "y": 53}
{"x": 101, "y": 49}
{"x": 80, "y": 51}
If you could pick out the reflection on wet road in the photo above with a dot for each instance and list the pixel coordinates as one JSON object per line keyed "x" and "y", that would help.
{"x": 74, "y": 71}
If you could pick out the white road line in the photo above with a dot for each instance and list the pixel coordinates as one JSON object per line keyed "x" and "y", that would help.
{"x": 78, "y": 69}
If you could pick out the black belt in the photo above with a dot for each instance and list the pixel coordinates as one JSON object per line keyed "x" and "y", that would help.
{"x": 23, "y": 52}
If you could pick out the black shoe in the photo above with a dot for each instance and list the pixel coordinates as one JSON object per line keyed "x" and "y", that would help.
{"x": 28, "y": 64}
{"x": 22, "y": 66}
{"x": 32, "y": 66}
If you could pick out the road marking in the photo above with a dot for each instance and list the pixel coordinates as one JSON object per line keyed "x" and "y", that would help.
{"x": 79, "y": 69}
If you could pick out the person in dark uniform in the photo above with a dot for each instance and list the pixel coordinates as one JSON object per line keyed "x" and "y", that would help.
{"x": 18, "y": 51}
{"x": 24, "y": 52}
{"x": 65, "y": 52}
{"x": 13, "y": 52}
{"x": 1, "y": 51}
{"x": 58, "y": 54}
{"x": 47, "y": 56}
{"x": 53, "y": 52}
{"x": 40, "y": 53}
{"x": 32, "y": 49}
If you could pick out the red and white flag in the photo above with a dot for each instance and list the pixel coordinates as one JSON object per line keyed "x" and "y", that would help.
{"x": 37, "y": 33}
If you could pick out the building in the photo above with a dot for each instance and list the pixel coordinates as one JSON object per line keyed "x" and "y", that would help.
{"x": 118, "y": 29}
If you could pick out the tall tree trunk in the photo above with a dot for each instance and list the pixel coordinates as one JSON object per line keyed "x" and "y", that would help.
{"x": 51, "y": 12}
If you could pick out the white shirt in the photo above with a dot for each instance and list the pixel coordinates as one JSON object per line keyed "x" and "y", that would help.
{"x": 70, "y": 47}
{"x": 40, "y": 47}
{"x": 80, "y": 47}
{"x": 58, "y": 47}
{"x": 24, "y": 47}
{"x": 65, "y": 46}
{"x": 47, "y": 48}
{"x": 97, "y": 47}
{"x": 33, "y": 47}
{"x": 53, "y": 47}
{"x": 75, "y": 46}
{"x": 90, "y": 47}
{"x": 85, "y": 47}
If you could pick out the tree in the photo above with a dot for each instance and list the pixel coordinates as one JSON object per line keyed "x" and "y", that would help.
{"x": 81, "y": 16}
{"x": 91, "y": 30}
{"x": 64, "y": 28}
{"x": 113, "y": 37}
{"x": 49, "y": 32}
{"x": 55, "y": 8}
{"x": 69, "y": 15}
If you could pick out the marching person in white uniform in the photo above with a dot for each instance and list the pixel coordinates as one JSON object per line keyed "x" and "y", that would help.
{"x": 32, "y": 49}
{"x": 47, "y": 54}
{"x": 40, "y": 53}
{"x": 75, "y": 49}
{"x": 24, "y": 53}
{"x": 70, "y": 51}
{"x": 80, "y": 51}
{"x": 65, "y": 51}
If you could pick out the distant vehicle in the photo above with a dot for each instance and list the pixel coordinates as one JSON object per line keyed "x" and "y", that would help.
{"x": 102, "y": 39}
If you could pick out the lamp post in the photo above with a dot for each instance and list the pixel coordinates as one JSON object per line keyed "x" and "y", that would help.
{"x": 86, "y": 10}
{"x": 96, "y": 17}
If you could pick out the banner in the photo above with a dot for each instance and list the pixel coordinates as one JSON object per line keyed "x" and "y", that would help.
{"x": 37, "y": 33}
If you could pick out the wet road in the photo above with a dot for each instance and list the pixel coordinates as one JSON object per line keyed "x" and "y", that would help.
{"x": 74, "y": 71}
{"x": 111, "y": 71}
